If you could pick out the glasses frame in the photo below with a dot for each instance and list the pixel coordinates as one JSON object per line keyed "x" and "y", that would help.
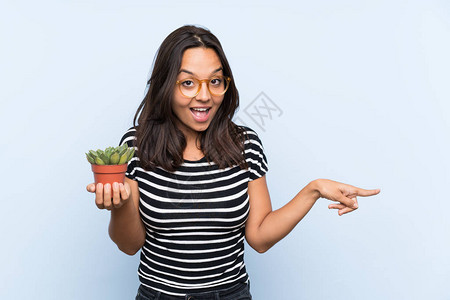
{"x": 200, "y": 81}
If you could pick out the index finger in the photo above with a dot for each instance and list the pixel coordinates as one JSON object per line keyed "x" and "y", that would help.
{"x": 365, "y": 193}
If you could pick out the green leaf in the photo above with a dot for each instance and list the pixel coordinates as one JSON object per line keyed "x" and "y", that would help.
{"x": 90, "y": 159}
{"x": 114, "y": 159}
{"x": 130, "y": 155}
{"x": 108, "y": 152}
{"x": 99, "y": 161}
{"x": 104, "y": 158}
{"x": 123, "y": 159}
{"x": 123, "y": 149}
{"x": 93, "y": 154}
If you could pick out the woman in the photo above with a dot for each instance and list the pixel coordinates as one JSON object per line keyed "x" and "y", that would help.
{"x": 196, "y": 186}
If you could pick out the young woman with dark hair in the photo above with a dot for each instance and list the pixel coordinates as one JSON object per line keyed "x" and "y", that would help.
{"x": 196, "y": 186}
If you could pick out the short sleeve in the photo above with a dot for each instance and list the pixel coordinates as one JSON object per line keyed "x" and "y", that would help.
{"x": 129, "y": 138}
{"x": 254, "y": 155}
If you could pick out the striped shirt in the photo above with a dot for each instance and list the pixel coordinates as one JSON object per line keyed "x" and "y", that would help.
{"x": 195, "y": 220}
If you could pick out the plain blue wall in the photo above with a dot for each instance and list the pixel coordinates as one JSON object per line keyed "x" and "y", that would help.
{"x": 360, "y": 92}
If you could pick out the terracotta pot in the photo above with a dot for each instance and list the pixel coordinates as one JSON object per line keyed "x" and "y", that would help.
{"x": 109, "y": 173}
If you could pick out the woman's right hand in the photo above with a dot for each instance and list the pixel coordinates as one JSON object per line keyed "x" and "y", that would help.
{"x": 343, "y": 193}
{"x": 107, "y": 197}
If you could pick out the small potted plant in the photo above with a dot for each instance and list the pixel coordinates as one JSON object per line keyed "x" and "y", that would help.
{"x": 110, "y": 165}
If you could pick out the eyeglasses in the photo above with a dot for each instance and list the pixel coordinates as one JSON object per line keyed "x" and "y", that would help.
{"x": 217, "y": 85}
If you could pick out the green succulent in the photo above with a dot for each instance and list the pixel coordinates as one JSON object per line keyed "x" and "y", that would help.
{"x": 111, "y": 156}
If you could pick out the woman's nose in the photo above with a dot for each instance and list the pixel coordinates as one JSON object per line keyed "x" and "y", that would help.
{"x": 204, "y": 94}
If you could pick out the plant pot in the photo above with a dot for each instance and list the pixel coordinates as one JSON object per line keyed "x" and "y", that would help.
{"x": 109, "y": 173}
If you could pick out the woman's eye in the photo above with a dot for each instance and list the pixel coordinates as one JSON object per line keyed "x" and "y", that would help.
{"x": 216, "y": 81}
{"x": 187, "y": 83}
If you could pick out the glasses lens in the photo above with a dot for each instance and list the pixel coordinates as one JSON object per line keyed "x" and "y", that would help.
{"x": 218, "y": 85}
{"x": 189, "y": 87}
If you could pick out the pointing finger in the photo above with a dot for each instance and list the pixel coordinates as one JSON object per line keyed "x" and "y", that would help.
{"x": 365, "y": 193}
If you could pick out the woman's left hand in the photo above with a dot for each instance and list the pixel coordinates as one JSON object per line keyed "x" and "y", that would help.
{"x": 343, "y": 193}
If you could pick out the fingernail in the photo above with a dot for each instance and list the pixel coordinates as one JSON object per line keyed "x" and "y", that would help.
{"x": 355, "y": 205}
{"x": 116, "y": 185}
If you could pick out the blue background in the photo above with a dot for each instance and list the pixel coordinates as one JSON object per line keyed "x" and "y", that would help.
{"x": 360, "y": 92}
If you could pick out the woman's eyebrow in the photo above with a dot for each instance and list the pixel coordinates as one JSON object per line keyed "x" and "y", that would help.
{"x": 189, "y": 72}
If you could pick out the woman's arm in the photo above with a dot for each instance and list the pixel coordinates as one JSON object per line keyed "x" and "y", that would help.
{"x": 264, "y": 227}
{"x": 126, "y": 229}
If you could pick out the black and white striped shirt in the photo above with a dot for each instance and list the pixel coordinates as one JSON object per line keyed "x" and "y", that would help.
{"x": 194, "y": 220}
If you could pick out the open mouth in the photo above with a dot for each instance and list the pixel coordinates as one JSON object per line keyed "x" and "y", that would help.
{"x": 200, "y": 114}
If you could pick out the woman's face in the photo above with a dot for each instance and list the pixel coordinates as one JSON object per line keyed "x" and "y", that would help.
{"x": 200, "y": 63}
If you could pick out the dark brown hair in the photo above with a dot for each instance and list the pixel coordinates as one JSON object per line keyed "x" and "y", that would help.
{"x": 158, "y": 140}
